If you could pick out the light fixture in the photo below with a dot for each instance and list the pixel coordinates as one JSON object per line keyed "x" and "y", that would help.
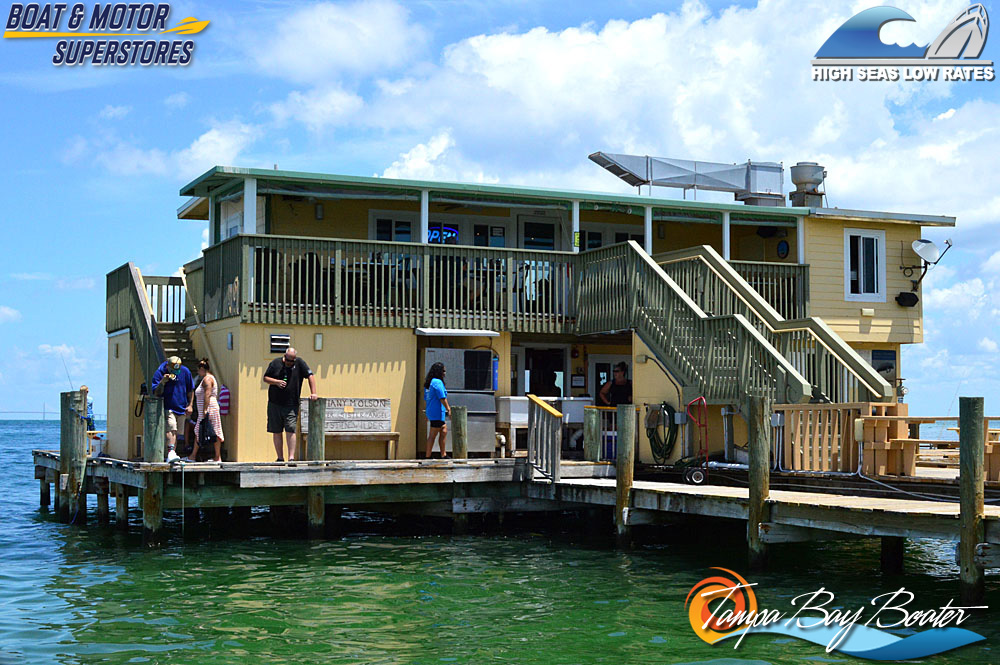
{"x": 318, "y": 342}
{"x": 319, "y": 211}
{"x": 930, "y": 255}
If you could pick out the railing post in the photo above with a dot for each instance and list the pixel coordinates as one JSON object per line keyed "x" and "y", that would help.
{"x": 624, "y": 472}
{"x": 72, "y": 457}
{"x": 556, "y": 458}
{"x": 316, "y": 451}
{"x": 154, "y": 429}
{"x": 759, "y": 476}
{"x": 971, "y": 477}
{"x": 592, "y": 435}
{"x": 460, "y": 432}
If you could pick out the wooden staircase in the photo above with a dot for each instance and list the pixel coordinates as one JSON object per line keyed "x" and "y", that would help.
{"x": 177, "y": 342}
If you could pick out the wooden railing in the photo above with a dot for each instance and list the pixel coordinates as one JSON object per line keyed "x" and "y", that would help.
{"x": 194, "y": 274}
{"x": 723, "y": 358}
{"x": 544, "y": 438}
{"x": 166, "y": 298}
{"x": 288, "y": 280}
{"x": 128, "y": 308}
{"x": 785, "y": 286}
{"x": 819, "y": 437}
{"x": 834, "y": 369}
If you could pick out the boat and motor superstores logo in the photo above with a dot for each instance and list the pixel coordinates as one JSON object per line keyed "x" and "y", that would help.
{"x": 106, "y": 34}
{"x": 723, "y": 606}
{"x": 855, "y": 52}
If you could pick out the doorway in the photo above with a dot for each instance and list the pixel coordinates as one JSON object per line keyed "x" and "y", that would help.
{"x": 599, "y": 371}
{"x": 542, "y": 370}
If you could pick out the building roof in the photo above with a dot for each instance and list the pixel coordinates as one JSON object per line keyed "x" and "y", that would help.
{"x": 224, "y": 179}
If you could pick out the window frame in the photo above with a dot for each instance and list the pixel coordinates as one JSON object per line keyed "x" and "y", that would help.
{"x": 880, "y": 270}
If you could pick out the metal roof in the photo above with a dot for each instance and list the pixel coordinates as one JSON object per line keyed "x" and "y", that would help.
{"x": 226, "y": 176}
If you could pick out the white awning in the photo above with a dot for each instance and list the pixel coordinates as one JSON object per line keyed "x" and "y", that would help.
{"x": 455, "y": 332}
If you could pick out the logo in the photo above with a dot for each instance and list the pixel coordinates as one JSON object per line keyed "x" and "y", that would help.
{"x": 856, "y": 51}
{"x": 724, "y": 606}
{"x": 112, "y": 34}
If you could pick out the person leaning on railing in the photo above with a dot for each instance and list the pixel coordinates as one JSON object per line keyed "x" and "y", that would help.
{"x": 618, "y": 390}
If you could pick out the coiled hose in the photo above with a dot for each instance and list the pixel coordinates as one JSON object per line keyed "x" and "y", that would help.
{"x": 661, "y": 419}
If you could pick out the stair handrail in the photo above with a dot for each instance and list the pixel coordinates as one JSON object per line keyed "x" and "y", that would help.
{"x": 776, "y": 324}
{"x": 216, "y": 368}
{"x": 137, "y": 317}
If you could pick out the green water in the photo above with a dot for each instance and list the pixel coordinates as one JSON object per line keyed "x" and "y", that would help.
{"x": 385, "y": 594}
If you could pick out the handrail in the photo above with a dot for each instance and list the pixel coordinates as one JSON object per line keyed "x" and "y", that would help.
{"x": 721, "y": 284}
{"x": 128, "y": 308}
{"x": 552, "y": 411}
{"x": 544, "y": 439}
{"x": 723, "y": 357}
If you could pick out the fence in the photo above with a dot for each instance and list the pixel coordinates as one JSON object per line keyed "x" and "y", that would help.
{"x": 819, "y": 437}
{"x": 128, "y": 307}
{"x": 166, "y": 298}
{"x": 544, "y": 438}
{"x": 785, "y": 286}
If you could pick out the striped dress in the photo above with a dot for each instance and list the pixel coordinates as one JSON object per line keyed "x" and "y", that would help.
{"x": 211, "y": 411}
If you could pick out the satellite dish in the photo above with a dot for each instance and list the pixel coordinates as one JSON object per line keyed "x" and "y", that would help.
{"x": 926, "y": 250}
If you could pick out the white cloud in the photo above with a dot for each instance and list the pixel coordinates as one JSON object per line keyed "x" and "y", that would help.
{"x": 327, "y": 41}
{"x": 30, "y": 276}
{"x": 178, "y": 100}
{"x": 988, "y": 345}
{"x": 970, "y": 297}
{"x": 110, "y": 112}
{"x": 318, "y": 108}
{"x": 9, "y": 314}
{"x": 992, "y": 264}
{"x": 944, "y": 116}
{"x": 74, "y": 283}
{"x": 222, "y": 144}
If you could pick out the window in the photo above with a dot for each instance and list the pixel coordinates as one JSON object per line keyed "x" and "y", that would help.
{"x": 864, "y": 265}
{"x": 625, "y": 237}
{"x": 484, "y": 235}
{"x": 540, "y": 235}
{"x": 393, "y": 230}
{"x": 592, "y": 239}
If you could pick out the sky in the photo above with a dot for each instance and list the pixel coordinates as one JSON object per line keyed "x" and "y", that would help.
{"x": 513, "y": 92}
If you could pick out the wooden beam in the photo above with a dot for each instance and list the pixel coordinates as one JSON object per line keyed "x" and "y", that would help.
{"x": 971, "y": 477}
{"x": 460, "y": 432}
{"x": 624, "y": 472}
{"x": 121, "y": 506}
{"x": 316, "y": 450}
{"x": 591, "y": 436}
{"x": 509, "y": 505}
{"x": 153, "y": 444}
{"x": 405, "y": 474}
{"x": 642, "y": 516}
{"x": 44, "y": 494}
{"x": 759, "y": 477}
{"x": 73, "y": 456}
{"x": 103, "y": 503}
{"x": 770, "y": 532}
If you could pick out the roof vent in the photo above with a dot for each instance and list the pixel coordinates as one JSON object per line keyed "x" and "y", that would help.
{"x": 807, "y": 177}
{"x": 754, "y": 183}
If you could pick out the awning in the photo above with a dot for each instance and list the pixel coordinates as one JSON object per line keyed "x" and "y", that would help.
{"x": 455, "y": 332}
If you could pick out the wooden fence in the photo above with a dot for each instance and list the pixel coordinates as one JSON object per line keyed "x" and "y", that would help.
{"x": 819, "y": 437}
{"x": 785, "y": 286}
{"x": 544, "y": 438}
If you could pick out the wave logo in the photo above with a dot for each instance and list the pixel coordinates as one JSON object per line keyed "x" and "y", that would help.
{"x": 724, "y": 606}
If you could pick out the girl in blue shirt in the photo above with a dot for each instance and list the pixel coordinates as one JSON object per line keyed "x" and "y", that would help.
{"x": 437, "y": 408}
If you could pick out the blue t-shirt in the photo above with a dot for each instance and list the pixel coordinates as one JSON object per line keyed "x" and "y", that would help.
{"x": 433, "y": 397}
{"x": 174, "y": 392}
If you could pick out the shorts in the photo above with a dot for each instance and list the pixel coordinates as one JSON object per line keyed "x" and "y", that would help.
{"x": 172, "y": 419}
{"x": 281, "y": 417}
{"x": 437, "y": 423}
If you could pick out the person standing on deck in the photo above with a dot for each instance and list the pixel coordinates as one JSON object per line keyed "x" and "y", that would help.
{"x": 284, "y": 376}
{"x": 173, "y": 381}
{"x": 437, "y": 409}
{"x": 207, "y": 397}
{"x": 618, "y": 390}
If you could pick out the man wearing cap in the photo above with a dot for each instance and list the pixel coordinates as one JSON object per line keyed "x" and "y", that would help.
{"x": 284, "y": 377}
{"x": 173, "y": 381}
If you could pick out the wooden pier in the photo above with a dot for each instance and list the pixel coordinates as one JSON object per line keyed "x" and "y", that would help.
{"x": 539, "y": 482}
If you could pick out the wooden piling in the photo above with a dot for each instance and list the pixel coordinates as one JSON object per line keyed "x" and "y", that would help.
{"x": 44, "y": 493}
{"x": 759, "y": 478}
{"x": 103, "y": 503}
{"x": 892, "y": 554}
{"x": 316, "y": 450}
{"x": 73, "y": 457}
{"x": 591, "y": 435}
{"x": 121, "y": 506}
{"x": 460, "y": 432}
{"x": 153, "y": 444}
{"x": 972, "y": 433}
{"x": 624, "y": 472}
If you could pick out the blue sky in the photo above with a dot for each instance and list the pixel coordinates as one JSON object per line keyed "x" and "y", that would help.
{"x": 516, "y": 92}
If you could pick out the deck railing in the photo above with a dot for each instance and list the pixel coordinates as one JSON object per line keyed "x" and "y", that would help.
{"x": 785, "y": 286}
{"x": 128, "y": 308}
{"x": 544, "y": 438}
{"x": 836, "y": 371}
{"x": 288, "y": 280}
{"x": 819, "y": 437}
{"x": 166, "y": 298}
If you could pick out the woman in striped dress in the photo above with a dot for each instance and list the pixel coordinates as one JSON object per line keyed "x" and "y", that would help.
{"x": 207, "y": 397}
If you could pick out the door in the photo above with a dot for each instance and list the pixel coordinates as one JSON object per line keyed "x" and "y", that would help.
{"x": 600, "y": 371}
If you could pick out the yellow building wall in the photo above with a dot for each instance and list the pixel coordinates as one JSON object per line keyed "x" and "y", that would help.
{"x": 747, "y": 245}
{"x": 354, "y": 362}
{"x": 825, "y": 255}
{"x": 681, "y": 235}
{"x": 212, "y": 342}
{"x": 124, "y": 380}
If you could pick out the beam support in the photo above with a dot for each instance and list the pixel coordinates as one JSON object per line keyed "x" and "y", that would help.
{"x": 971, "y": 476}
{"x": 460, "y": 432}
{"x": 575, "y": 221}
{"x": 121, "y": 507}
{"x": 648, "y": 230}
{"x": 316, "y": 450}
{"x": 759, "y": 475}
{"x": 425, "y": 222}
{"x": 250, "y": 205}
{"x": 153, "y": 443}
{"x": 800, "y": 238}
{"x": 624, "y": 473}
{"x": 726, "y": 237}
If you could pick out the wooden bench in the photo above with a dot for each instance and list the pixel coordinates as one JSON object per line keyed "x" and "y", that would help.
{"x": 358, "y": 420}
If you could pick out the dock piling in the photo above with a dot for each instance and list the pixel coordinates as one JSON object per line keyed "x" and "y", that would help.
{"x": 624, "y": 472}
{"x": 103, "y": 502}
{"x": 972, "y": 435}
{"x": 153, "y": 443}
{"x": 316, "y": 450}
{"x": 45, "y": 494}
{"x": 591, "y": 435}
{"x": 759, "y": 477}
{"x": 121, "y": 506}
{"x": 72, "y": 457}
{"x": 460, "y": 432}
{"x": 892, "y": 554}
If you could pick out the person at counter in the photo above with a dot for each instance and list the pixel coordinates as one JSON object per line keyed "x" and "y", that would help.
{"x": 618, "y": 390}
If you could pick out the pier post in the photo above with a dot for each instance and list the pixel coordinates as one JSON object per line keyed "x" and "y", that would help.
{"x": 971, "y": 476}
{"x": 592, "y": 435}
{"x": 316, "y": 450}
{"x": 121, "y": 507}
{"x": 892, "y": 554}
{"x": 154, "y": 428}
{"x": 460, "y": 432}
{"x": 103, "y": 503}
{"x": 760, "y": 479}
{"x": 624, "y": 472}
{"x": 73, "y": 457}
{"x": 44, "y": 495}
